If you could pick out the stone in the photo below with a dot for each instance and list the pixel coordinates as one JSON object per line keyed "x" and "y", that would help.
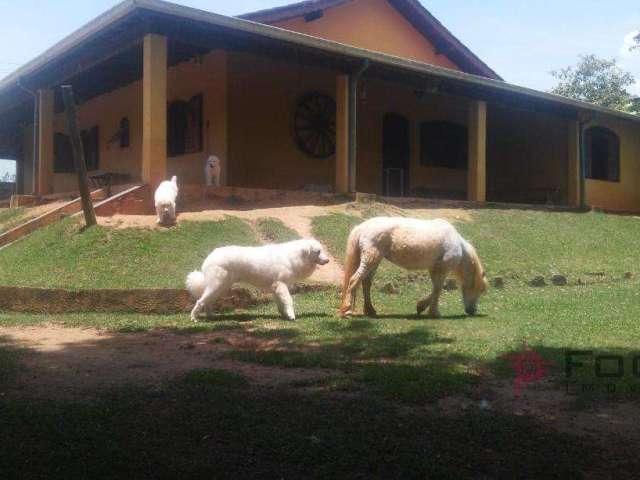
{"x": 450, "y": 285}
{"x": 559, "y": 280}
{"x": 390, "y": 289}
{"x": 628, "y": 275}
{"x": 497, "y": 282}
{"x": 538, "y": 281}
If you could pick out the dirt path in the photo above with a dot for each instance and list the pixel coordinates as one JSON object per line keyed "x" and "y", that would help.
{"x": 297, "y": 218}
{"x": 69, "y": 363}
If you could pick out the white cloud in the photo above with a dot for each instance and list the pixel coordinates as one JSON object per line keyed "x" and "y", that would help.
{"x": 630, "y": 59}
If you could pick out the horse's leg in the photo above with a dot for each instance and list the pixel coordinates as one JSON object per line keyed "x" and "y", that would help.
{"x": 369, "y": 259}
{"x": 369, "y": 311}
{"x": 437, "y": 278}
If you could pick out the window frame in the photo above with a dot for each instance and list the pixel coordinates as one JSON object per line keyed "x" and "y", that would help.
{"x": 610, "y": 136}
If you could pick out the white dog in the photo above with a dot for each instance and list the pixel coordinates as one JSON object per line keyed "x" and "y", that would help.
{"x": 165, "y": 200}
{"x": 272, "y": 267}
{"x": 212, "y": 171}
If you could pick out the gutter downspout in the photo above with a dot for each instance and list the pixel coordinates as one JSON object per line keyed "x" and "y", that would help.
{"x": 354, "y": 80}
{"x": 36, "y": 118}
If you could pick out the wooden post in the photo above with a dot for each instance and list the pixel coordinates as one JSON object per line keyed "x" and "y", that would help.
{"x": 78, "y": 154}
{"x": 477, "y": 173}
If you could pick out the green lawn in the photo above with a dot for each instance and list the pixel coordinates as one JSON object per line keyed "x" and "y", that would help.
{"x": 274, "y": 231}
{"x": 374, "y": 414}
{"x": 61, "y": 256}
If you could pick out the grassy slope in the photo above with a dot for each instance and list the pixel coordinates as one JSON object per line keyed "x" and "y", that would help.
{"x": 525, "y": 243}
{"x": 60, "y": 256}
{"x": 274, "y": 231}
{"x": 10, "y": 218}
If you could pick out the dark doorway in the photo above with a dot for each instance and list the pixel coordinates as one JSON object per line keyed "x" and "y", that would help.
{"x": 396, "y": 155}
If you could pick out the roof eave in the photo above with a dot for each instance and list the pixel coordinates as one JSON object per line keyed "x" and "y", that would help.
{"x": 353, "y": 54}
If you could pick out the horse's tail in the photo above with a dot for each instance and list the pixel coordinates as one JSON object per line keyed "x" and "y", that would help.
{"x": 352, "y": 260}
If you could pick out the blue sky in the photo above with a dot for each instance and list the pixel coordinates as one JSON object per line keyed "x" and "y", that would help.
{"x": 522, "y": 41}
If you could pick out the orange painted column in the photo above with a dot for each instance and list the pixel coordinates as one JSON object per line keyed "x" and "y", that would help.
{"x": 154, "y": 110}
{"x": 342, "y": 134}
{"x": 573, "y": 164}
{"x": 477, "y": 173}
{"x": 44, "y": 177}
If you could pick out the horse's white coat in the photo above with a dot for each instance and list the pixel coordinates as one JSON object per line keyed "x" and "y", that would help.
{"x": 433, "y": 245}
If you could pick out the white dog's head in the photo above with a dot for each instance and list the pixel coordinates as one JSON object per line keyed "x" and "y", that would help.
{"x": 315, "y": 252}
{"x": 213, "y": 162}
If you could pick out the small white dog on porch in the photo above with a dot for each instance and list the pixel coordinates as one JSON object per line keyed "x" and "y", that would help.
{"x": 212, "y": 171}
{"x": 165, "y": 201}
{"x": 272, "y": 267}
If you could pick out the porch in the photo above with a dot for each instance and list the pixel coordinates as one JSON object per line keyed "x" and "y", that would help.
{"x": 165, "y": 101}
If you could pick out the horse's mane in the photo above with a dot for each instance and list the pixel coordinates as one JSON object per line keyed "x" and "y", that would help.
{"x": 473, "y": 266}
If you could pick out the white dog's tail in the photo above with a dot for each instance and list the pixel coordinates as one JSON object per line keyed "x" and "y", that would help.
{"x": 174, "y": 180}
{"x": 196, "y": 284}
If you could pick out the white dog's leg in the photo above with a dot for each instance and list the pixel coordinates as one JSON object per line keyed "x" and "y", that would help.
{"x": 159, "y": 214}
{"x": 210, "y": 295}
{"x": 284, "y": 300}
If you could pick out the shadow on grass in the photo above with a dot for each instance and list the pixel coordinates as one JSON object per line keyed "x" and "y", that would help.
{"x": 249, "y": 317}
{"x": 212, "y": 424}
{"x": 208, "y": 423}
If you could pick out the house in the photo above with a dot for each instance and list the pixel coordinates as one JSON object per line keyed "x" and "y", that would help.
{"x": 371, "y": 96}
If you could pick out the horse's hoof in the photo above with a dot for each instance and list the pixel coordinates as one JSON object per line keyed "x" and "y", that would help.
{"x": 345, "y": 314}
{"x": 433, "y": 315}
{"x": 421, "y": 307}
{"x": 370, "y": 312}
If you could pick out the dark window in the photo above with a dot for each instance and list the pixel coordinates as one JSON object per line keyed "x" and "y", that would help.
{"x": 63, "y": 155}
{"x": 124, "y": 131}
{"x": 443, "y": 144}
{"x": 184, "y": 126}
{"x": 602, "y": 154}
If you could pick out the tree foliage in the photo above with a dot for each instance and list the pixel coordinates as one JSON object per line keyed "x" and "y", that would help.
{"x": 596, "y": 80}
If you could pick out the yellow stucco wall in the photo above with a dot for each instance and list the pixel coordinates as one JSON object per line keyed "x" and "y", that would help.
{"x": 106, "y": 111}
{"x": 625, "y": 194}
{"x": 374, "y": 25}
{"x": 263, "y": 95}
{"x": 379, "y": 98}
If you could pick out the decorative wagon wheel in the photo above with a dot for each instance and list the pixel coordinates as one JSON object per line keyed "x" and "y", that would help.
{"x": 315, "y": 125}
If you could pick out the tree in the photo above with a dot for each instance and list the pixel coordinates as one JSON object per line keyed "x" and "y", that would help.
{"x": 9, "y": 177}
{"x": 596, "y": 80}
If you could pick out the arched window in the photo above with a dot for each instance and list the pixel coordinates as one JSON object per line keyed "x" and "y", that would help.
{"x": 602, "y": 154}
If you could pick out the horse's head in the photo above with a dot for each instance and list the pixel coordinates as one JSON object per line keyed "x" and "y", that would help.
{"x": 474, "y": 282}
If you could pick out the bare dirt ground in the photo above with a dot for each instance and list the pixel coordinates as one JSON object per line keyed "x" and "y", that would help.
{"x": 72, "y": 363}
